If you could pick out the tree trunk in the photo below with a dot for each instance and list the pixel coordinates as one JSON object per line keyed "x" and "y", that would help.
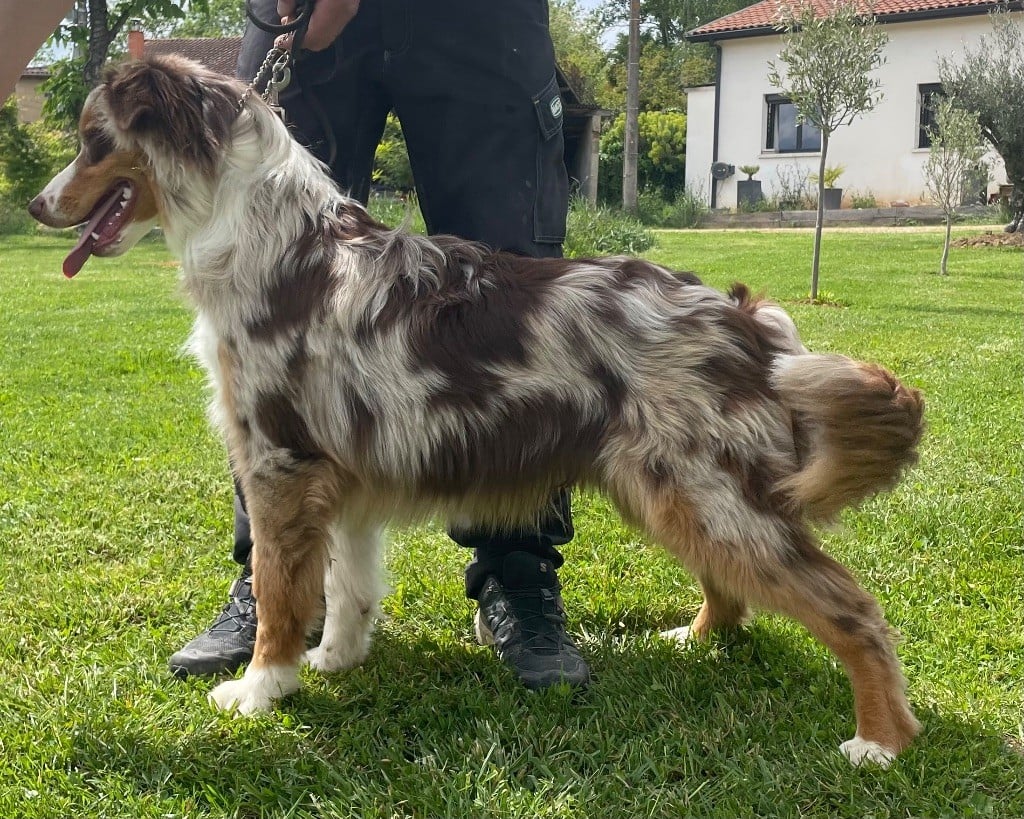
{"x": 1015, "y": 176}
{"x": 632, "y": 135}
{"x": 100, "y": 38}
{"x": 945, "y": 247}
{"x": 819, "y": 221}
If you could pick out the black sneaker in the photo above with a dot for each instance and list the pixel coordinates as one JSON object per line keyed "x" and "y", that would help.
{"x": 521, "y": 615}
{"x": 228, "y": 643}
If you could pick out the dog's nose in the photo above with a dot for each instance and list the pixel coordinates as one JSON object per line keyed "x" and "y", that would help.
{"x": 35, "y": 207}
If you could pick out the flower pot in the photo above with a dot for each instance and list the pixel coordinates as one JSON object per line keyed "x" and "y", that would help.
{"x": 833, "y": 198}
{"x": 748, "y": 192}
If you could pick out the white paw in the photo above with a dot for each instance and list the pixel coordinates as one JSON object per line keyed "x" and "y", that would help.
{"x": 326, "y": 659}
{"x": 256, "y": 691}
{"x": 857, "y": 750}
{"x": 484, "y": 636}
{"x": 682, "y": 635}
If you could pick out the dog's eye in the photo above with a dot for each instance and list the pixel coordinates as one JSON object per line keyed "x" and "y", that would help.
{"x": 96, "y": 145}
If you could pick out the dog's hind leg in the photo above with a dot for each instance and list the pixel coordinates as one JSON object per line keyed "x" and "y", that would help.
{"x": 820, "y": 593}
{"x": 290, "y": 509}
{"x": 753, "y": 555}
{"x": 720, "y": 611}
{"x": 353, "y": 589}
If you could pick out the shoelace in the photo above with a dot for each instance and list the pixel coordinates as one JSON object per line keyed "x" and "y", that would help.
{"x": 237, "y": 614}
{"x": 550, "y": 637}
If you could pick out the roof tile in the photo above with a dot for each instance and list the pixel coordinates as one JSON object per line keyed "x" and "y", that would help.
{"x": 765, "y": 15}
{"x": 216, "y": 53}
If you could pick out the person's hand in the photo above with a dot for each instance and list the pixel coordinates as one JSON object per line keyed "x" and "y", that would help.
{"x": 329, "y": 17}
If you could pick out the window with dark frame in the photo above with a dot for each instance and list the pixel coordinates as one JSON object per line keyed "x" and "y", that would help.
{"x": 928, "y": 94}
{"x": 784, "y": 132}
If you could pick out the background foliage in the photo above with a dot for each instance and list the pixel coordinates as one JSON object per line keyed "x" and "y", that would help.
{"x": 661, "y": 155}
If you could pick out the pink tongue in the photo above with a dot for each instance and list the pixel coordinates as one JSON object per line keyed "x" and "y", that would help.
{"x": 82, "y": 250}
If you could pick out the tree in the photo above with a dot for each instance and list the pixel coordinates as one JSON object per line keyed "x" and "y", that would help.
{"x": 954, "y": 160}
{"x": 214, "y": 18}
{"x": 661, "y": 154}
{"x": 94, "y": 27}
{"x": 663, "y": 71}
{"x": 827, "y": 61}
{"x": 576, "y": 34}
{"x": 669, "y": 20}
{"x": 990, "y": 82}
{"x": 668, "y": 64}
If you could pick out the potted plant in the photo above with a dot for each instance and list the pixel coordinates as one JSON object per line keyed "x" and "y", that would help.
{"x": 833, "y": 196}
{"x": 748, "y": 191}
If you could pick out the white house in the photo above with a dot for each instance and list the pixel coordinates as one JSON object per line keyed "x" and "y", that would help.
{"x": 742, "y": 120}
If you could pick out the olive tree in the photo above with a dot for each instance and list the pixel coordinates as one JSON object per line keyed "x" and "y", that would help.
{"x": 825, "y": 69}
{"x": 990, "y": 82}
{"x": 954, "y": 160}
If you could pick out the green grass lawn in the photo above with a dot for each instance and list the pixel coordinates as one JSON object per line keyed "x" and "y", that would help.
{"x": 115, "y": 531}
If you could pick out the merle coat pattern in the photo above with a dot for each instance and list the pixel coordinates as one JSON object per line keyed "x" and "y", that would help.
{"x": 363, "y": 376}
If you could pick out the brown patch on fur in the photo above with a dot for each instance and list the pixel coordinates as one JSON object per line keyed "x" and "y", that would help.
{"x": 291, "y": 510}
{"x": 92, "y": 183}
{"x": 739, "y": 372}
{"x": 474, "y": 323}
{"x": 302, "y": 294}
{"x": 536, "y": 447}
{"x": 630, "y": 272}
{"x": 754, "y": 478}
{"x": 284, "y": 427}
{"x": 362, "y": 422}
{"x": 351, "y": 223}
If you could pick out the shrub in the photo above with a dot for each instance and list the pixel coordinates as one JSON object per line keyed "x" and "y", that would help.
{"x": 863, "y": 200}
{"x": 29, "y": 157}
{"x": 661, "y": 160}
{"x": 592, "y": 230}
{"x": 391, "y": 166}
{"x": 602, "y": 231}
{"x": 791, "y": 190}
{"x": 686, "y": 210}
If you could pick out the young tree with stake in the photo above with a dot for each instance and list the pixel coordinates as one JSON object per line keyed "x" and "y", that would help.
{"x": 825, "y": 68}
{"x": 955, "y": 157}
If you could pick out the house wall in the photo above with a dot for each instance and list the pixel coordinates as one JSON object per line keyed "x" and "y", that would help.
{"x": 700, "y": 120}
{"x": 29, "y": 98}
{"x": 878, "y": 150}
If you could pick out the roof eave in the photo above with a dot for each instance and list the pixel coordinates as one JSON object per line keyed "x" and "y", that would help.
{"x": 898, "y": 17}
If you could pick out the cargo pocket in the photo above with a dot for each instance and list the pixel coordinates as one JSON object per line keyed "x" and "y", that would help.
{"x": 552, "y": 180}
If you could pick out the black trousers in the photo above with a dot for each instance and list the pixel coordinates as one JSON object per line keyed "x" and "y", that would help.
{"x": 473, "y": 85}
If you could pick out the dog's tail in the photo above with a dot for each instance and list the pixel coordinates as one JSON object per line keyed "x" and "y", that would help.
{"x": 856, "y": 429}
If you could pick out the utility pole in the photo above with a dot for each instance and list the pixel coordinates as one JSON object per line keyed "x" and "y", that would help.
{"x": 629, "y": 159}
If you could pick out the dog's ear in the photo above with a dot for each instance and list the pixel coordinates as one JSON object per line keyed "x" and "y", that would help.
{"x": 174, "y": 103}
{"x": 142, "y": 96}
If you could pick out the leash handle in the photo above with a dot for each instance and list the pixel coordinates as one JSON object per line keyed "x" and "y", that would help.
{"x": 301, "y": 19}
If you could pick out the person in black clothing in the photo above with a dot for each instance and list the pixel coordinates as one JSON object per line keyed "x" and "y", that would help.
{"x": 473, "y": 85}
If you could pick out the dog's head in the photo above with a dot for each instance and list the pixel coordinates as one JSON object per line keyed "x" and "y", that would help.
{"x": 151, "y": 123}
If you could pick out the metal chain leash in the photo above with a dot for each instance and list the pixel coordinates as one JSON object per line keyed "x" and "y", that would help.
{"x": 276, "y": 72}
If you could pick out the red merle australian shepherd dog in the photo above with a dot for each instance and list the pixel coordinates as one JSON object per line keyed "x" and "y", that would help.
{"x": 363, "y": 375}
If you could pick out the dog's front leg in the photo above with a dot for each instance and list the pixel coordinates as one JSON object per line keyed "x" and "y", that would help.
{"x": 288, "y": 510}
{"x": 353, "y": 589}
